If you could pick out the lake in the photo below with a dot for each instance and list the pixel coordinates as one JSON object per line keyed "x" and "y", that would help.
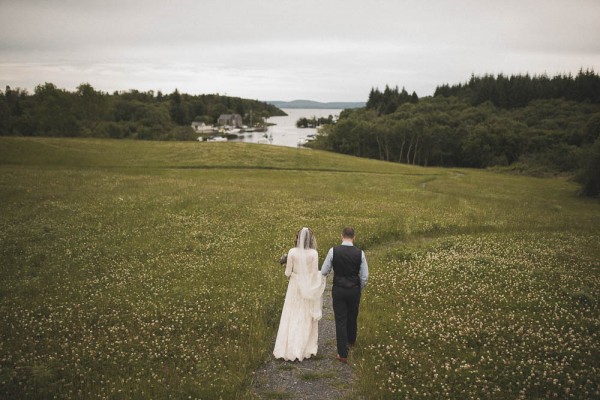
{"x": 285, "y": 132}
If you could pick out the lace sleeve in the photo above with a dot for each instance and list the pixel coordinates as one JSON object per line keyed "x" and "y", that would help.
{"x": 289, "y": 266}
{"x": 314, "y": 262}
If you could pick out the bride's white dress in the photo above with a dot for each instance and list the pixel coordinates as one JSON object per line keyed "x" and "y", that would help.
{"x": 299, "y": 325}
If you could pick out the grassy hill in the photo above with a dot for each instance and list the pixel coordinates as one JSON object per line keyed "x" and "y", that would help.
{"x": 148, "y": 269}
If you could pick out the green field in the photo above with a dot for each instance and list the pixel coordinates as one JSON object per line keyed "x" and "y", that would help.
{"x": 132, "y": 269}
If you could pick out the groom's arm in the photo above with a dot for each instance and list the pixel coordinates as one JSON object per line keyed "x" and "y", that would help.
{"x": 326, "y": 267}
{"x": 363, "y": 273}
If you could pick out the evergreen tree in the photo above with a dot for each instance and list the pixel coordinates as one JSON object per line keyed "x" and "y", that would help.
{"x": 388, "y": 102}
{"x": 177, "y": 110}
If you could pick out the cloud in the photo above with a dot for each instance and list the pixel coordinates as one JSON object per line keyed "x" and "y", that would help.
{"x": 284, "y": 49}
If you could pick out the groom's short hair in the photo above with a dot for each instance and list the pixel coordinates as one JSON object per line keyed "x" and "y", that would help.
{"x": 348, "y": 232}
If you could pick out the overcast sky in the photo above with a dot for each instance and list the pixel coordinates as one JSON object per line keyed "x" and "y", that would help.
{"x": 324, "y": 50}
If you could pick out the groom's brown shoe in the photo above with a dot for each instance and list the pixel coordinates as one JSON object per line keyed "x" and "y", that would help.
{"x": 341, "y": 359}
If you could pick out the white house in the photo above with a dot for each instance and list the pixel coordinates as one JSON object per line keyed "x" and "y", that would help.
{"x": 201, "y": 127}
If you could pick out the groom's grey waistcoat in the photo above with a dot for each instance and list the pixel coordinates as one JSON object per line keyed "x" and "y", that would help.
{"x": 346, "y": 266}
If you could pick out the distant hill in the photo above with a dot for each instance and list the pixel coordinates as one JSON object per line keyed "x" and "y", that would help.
{"x": 316, "y": 104}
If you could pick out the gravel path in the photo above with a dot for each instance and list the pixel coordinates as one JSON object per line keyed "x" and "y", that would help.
{"x": 320, "y": 377}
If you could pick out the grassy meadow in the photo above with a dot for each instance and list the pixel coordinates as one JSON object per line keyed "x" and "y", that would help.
{"x": 132, "y": 269}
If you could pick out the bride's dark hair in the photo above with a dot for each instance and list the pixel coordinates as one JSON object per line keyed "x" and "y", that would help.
{"x": 305, "y": 239}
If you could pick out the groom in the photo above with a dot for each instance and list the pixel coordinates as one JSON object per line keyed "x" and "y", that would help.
{"x": 350, "y": 274}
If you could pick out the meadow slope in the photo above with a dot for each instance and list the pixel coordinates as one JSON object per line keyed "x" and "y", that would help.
{"x": 133, "y": 269}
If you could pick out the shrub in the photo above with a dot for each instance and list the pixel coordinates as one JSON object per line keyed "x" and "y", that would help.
{"x": 590, "y": 176}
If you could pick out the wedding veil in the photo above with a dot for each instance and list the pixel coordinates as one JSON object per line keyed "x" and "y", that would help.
{"x": 310, "y": 282}
{"x": 306, "y": 239}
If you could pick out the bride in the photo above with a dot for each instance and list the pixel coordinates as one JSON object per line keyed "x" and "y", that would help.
{"x": 299, "y": 325}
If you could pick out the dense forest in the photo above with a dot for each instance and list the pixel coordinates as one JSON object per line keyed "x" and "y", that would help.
{"x": 519, "y": 90}
{"x": 86, "y": 112}
{"x": 532, "y": 125}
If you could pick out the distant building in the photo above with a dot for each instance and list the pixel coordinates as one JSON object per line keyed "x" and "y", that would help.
{"x": 201, "y": 127}
{"x": 234, "y": 120}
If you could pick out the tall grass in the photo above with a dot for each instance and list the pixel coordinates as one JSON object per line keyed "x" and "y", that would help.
{"x": 147, "y": 270}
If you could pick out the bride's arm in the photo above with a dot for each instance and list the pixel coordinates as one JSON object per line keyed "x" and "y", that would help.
{"x": 289, "y": 265}
{"x": 314, "y": 262}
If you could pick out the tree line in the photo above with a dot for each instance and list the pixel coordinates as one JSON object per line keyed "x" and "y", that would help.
{"x": 389, "y": 100}
{"x": 545, "y": 136}
{"x": 314, "y": 122}
{"x": 86, "y": 112}
{"x": 519, "y": 90}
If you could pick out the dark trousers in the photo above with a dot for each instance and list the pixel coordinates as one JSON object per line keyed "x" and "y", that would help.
{"x": 345, "y": 309}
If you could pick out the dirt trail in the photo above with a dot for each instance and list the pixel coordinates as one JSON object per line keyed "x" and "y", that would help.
{"x": 320, "y": 377}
